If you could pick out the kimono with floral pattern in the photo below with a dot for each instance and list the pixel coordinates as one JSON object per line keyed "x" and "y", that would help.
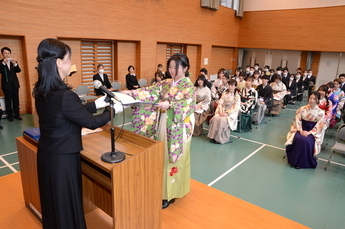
{"x": 312, "y": 115}
{"x": 182, "y": 99}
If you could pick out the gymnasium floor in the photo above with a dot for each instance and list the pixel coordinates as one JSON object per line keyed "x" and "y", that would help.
{"x": 251, "y": 168}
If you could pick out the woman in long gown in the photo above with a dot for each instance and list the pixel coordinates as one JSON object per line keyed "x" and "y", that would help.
{"x": 225, "y": 118}
{"x": 305, "y": 137}
{"x": 172, "y": 123}
{"x": 203, "y": 99}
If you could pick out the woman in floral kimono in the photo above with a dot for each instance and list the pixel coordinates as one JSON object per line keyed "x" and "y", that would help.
{"x": 172, "y": 122}
{"x": 203, "y": 99}
{"x": 305, "y": 137}
{"x": 225, "y": 118}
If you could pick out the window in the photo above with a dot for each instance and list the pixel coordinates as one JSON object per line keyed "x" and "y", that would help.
{"x": 92, "y": 54}
{"x": 173, "y": 49}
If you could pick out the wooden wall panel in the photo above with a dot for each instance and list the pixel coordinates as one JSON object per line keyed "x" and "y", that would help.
{"x": 192, "y": 51}
{"x": 161, "y": 57}
{"x": 75, "y": 44}
{"x": 222, "y": 58}
{"x": 126, "y": 56}
{"x": 316, "y": 29}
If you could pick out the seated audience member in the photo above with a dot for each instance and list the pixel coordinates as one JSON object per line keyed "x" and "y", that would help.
{"x": 160, "y": 68}
{"x": 251, "y": 72}
{"x": 203, "y": 99}
{"x": 299, "y": 70}
{"x": 291, "y": 90}
{"x": 272, "y": 76}
{"x": 279, "y": 91}
{"x": 299, "y": 83}
{"x": 342, "y": 80}
{"x": 216, "y": 94}
{"x": 256, "y": 67}
{"x": 226, "y": 115}
{"x": 131, "y": 79}
{"x": 246, "y": 73}
{"x": 256, "y": 81}
{"x": 203, "y": 71}
{"x": 305, "y": 137}
{"x": 285, "y": 76}
{"x": 103, "y": 78}
{"x": 312, "y": 81}
{"x": 249, "y": 97}
{"x": 218, "y": 83}
{"x": 337, "y": 98}
{"x": 241, "y": 83}
{"x": 326, "y": 105}
{"x": 305, "y": 80}
{"x": 265, "y": 99}
{"x": 237, "y": 74}
{"x": 159, "y": 76}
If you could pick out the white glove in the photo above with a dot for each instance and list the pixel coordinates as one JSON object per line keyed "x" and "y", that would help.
{"x": 117, "y": 107}
{"x": 100, "y": 103}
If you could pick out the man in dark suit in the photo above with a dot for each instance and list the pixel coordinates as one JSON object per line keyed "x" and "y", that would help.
{"x": 265, "y": 99}
{"x": 312, "y": 81}
{"x": 10, "y": 84}
{"x": 103, "y": 78}
{"x": 342, "y": 79}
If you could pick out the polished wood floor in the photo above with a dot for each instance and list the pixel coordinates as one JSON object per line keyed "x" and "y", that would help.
{"x": 203, "y": 207}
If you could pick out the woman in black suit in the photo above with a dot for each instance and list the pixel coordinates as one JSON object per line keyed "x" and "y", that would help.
{"x": 61, "y": 117}
{"x": 131, "y": 79}
{"x": 103, "y": 78}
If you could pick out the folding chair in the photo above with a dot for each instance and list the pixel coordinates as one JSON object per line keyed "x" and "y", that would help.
{"x": 142, "y": 82}
{"x": 339, "y": 145}
{"x": 116, "y": 85}
{"x": 83, "y": 91}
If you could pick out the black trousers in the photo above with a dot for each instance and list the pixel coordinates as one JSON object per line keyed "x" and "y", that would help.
{"x": 11, "y": 101}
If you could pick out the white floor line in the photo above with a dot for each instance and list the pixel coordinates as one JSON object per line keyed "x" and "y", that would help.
{"x": 234, "y": 167}
{"x": 125, "y": 124}
{"x": 336, "y": 163}
{"x": 9, "y": 153}
{"x": 8, "y": 165}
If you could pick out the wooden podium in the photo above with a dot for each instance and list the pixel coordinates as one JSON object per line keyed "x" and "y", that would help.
{"x": 130, "y": 191}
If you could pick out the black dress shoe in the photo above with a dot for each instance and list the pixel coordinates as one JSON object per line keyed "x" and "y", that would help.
{"x": 166, "y": 203}
{"x": 18, "y": 117}
{"x": 10, "y": 119}
{"x": 212, "y": 141}
{"x": 1, "y": 127}
{"x": 215, "y": 142}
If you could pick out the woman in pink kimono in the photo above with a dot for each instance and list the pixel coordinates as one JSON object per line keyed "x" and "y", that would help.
{"x": 305, "y": 137}
{"x": 172, "y": 122}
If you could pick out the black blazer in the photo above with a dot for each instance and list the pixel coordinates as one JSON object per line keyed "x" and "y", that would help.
{"x": 131, "y": 81}
{"x": 299, "y": 85}
{"x": 292, "y": 88}
{"x": 266, "y": 93}
{"x": 105, "y": 83}
{"x": 342, "y": 87}
{"x": 61, "y": 119}
{"x": 9, "y": 76}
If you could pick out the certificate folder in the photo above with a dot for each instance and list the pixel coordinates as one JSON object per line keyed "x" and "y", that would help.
{"x": 32, "y": 135}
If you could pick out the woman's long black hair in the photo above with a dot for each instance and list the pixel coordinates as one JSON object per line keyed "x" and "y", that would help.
{"x": 324, "y": 88}
{"x": 49, "y": 50}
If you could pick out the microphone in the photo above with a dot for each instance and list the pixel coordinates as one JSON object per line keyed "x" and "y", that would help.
{"x": 98, "y": 85}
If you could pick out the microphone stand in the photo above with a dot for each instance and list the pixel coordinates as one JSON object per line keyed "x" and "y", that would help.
{"x": 115, "y": 155}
